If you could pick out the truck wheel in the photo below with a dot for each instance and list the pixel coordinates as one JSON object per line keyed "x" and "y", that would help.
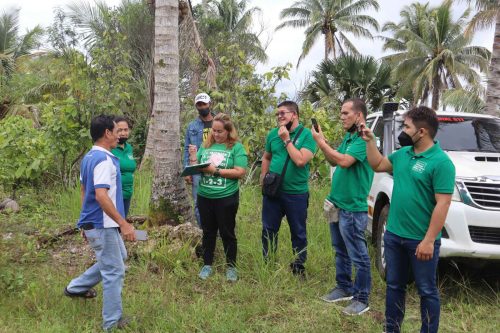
{"x": 380, "y": 257}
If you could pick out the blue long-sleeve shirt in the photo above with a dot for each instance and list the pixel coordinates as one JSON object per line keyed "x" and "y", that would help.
{"x": 194, "y": 136}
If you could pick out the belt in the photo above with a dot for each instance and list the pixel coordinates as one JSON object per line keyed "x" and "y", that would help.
{"x": 87, "y": 226}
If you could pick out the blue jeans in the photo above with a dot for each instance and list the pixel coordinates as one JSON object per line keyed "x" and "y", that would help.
{"x": 126, "y": 205}
{"x": 400, "y": 256}
{"x": 194, "y": 193}
{"x": 110, "y": 253}
{"x": 294, "y": 207}
{"x": 349, "y": 242}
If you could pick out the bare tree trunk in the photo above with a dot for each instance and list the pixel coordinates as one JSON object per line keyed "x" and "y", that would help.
{"x": 169, "y": 198}
{"x": 435, "y": 92}
{"x": 493, "y": 91}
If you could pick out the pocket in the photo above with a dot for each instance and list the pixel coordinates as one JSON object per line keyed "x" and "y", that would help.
{"x": 331, "y": 212}
{"x": 194, "y": 135}
{"x": 94, "y": 237}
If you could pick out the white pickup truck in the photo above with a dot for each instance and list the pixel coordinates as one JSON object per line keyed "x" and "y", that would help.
{"x": 472, "y": 141}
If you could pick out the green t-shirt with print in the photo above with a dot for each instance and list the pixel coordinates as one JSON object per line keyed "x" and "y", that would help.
{"x": 127, "y": 168}
{"x": 296, "y": 178}
{"x": 417, "y": 178}
{"x": 224, "y": 158}
{"x": 350, "y": 186}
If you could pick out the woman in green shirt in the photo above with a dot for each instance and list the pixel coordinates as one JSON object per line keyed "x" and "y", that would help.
{"x": 125, "y": 154}
{"x": 218, "y": 192}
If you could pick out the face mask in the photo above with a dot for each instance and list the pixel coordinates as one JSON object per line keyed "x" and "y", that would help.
{"x": 204, "y": 112}
{"x": 354, "y": 127}
{"x": 406, "y": 140}
{"x": 289, "y": 125}
{"x": 122, "y": 140}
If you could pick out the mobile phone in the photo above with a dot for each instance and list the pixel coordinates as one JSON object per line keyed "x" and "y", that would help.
{"x": 141, "y": 235}
{"x": 315, "y": 124}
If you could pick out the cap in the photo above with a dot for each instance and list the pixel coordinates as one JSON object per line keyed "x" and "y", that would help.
{"x": 203, "y": 97}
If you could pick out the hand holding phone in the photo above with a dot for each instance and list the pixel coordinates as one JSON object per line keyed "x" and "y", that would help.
{"x": 315, "y": 124}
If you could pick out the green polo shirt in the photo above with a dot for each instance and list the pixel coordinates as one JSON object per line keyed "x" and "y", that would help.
{"x": 224, "y": 158}
{"x": 127, "y": 168}
{"x": 296, "y": 179}
{"x": 350, "y": 186}
{"x": 417, "y": 178}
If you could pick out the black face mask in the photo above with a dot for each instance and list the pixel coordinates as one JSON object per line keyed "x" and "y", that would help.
{"x": 203, "y": 112}
{"x": 353, "y": 128}
{"x": 122, "y": 140}
{"x": 406, "y": 140}
{"x": 289, "y": 125}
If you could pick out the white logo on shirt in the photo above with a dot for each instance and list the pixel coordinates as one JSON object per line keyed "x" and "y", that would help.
{"x": 419, "y": 166}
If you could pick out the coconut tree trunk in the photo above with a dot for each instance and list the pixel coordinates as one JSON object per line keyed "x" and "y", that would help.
{"x": 330, "y": 45}
{"x": 493, "y": 90}
{"x": 435, "y": 92}
{"x": 169, "y": 198}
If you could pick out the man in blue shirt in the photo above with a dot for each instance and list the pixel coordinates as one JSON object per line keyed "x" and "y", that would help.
{"x": 196, "y": 133}
{"x": 101, "y": 220}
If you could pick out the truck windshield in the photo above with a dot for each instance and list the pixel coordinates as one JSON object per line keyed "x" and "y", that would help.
{"x": 467, "y": 133}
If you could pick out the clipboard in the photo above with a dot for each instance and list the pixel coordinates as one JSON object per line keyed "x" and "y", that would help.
{"x": 193, "y": 169}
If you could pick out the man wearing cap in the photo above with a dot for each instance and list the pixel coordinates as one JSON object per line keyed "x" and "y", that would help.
{"x": 196, "y": 133}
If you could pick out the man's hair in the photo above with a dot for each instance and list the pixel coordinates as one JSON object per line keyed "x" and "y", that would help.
{"x": 290, "y": 105}
{"x": 100, "y": 124}
{"x": 424, "y": 117}
{"x": 358, "y": 105}
{"x": 119, "y": 119}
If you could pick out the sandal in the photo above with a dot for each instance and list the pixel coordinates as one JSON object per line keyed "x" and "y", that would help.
{"x": 91, "y": 293}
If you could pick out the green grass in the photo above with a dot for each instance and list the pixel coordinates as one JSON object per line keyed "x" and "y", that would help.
{"x": 163, "y": 293}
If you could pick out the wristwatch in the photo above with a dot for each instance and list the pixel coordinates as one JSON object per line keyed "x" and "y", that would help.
{"x": 217, "y": 172}
{"x": 287, "y": 142}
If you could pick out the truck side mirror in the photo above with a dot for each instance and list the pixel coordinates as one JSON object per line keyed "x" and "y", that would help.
{"x": 388, "y": 109}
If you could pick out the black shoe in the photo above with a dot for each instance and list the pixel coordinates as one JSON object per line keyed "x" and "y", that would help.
{"x": 298, "y": 270}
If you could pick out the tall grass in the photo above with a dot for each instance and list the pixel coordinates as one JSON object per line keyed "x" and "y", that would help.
{"x": 163, "y": 293}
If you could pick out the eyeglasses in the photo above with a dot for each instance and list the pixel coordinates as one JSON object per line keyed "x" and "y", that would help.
{"x": 282, "y": 113}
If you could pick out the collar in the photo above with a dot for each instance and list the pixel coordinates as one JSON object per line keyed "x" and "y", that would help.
{"x": 351, "y": 136}
{"x": 297, "y": 128}
{"x": 124, "y": 146}
{"x": 428, "y": 153}
{"x": 103, "y": 150}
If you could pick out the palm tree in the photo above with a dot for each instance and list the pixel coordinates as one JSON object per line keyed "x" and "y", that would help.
{"x": 433, "y": 53}
{"x": 169, "y": 198}
{"x": 489, "y": 14}
{"x": 231, "y": 21}
{"x": 12, "y": 46}
{"x": 333, "y": 19}
{"x": 350, "y": 76}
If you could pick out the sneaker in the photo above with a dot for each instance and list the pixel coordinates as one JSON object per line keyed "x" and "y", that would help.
{"x": 355, "y": 308}
{"x": 122, "y": 323}
{"x": 336, "y": 295}
{"x": 205, "y": 272}
{"x": 231, "y": 274}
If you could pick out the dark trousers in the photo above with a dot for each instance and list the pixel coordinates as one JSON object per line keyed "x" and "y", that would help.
{"x": 400, "y": 256}
{"x": 294, "y": 207}
{"x": 126, "y": 205}
{"x": 219, "y": 215}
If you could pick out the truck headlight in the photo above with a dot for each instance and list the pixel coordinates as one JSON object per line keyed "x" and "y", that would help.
{"x": 456, "y": 195}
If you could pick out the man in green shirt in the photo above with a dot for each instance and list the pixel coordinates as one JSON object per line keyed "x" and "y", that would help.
{"x": 424, "y": 181}
{"x": 293, "y": 198}
{"x": 351, "y": 183}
